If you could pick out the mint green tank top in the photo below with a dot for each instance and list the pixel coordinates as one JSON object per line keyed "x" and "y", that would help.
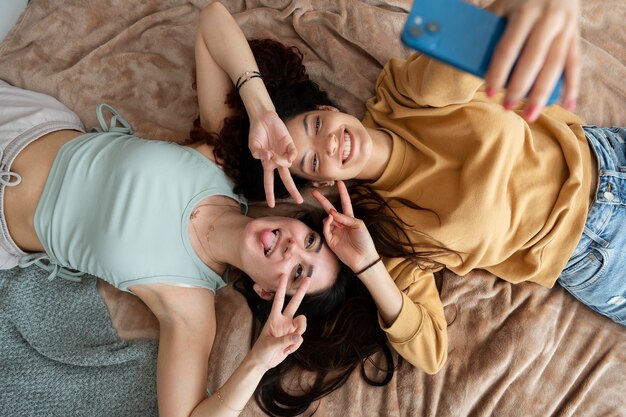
{"x": 117, "y": 206}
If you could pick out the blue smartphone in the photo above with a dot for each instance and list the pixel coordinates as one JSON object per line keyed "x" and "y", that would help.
{"x": 459, "y": 34}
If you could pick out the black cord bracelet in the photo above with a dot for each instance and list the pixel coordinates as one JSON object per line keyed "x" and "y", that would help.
{"x": 245, "y": 77}
{"x": 369, "y": 266}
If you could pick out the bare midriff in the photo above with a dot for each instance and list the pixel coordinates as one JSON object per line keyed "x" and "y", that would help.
{"x": 33, "y": 164}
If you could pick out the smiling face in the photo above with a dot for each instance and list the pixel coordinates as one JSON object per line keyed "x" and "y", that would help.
{"x": 281, "y": 245}
{"x": 331, "y": 145}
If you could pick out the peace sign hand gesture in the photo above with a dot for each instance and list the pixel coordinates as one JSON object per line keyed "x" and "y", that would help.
{"x": 347, "y": 236}
{"x": 269, "y": 141}
{"x": 282, "y": 333}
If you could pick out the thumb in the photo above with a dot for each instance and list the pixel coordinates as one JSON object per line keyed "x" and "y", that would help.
{"x": 292, "y": 342}
{"x": 292, "y": 152}
{"x": 262, "y": 154}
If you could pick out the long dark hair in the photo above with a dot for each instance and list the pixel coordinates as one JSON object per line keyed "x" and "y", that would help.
{"x": 292, "y": 93}
{"x": 342, "y": 322}
{"x": 342, "y": 334}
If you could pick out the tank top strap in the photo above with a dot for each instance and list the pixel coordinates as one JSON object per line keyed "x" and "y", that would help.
{"x": 45, "y": 262}
{"x": 124, "y": 126}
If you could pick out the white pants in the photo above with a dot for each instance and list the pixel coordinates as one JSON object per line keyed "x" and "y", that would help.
{"x": 25, "y": 116}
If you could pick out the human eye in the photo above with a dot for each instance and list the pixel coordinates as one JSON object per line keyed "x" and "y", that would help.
{"x": 317, "y": 124}
{"x": 298, "y": 272}
{"x": 315, "y": 162}
{"x": 310, "y": 240}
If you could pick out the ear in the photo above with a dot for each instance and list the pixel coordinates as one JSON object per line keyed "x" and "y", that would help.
{"x": 326, "y": 107}
{"x": 322, "y": 184}
{"x": 265, "y": 295}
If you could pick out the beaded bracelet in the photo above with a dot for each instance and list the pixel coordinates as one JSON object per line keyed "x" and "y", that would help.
{"x": 219, "y": 397}
{"x": 245, "y": 77}
{"x": 369, "y": 266}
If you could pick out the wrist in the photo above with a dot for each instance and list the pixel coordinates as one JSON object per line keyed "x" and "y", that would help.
{"x": 245, "y": 77}
{"x": 253, "y": 365}
{"x": 255, "y": 97}
{"x": 373, "y": 274}
{"x": 367, "y": 266}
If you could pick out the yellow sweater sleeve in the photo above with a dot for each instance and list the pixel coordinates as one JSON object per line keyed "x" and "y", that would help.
{"x": 426, "y": 82}
{"x": 419, "y": 334}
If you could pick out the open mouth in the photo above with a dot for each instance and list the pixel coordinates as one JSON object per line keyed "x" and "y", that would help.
{"x": 347, "y": 147}
{"x": 269, "y": 239}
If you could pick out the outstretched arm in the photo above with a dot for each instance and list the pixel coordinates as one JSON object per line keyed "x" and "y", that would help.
{"x": 223, "y": 58}
{"x": 187, "y": 331}
{"x": 542, "y": 41}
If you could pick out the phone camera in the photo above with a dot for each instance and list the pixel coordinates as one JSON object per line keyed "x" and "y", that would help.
{"x": 432, "y": 27}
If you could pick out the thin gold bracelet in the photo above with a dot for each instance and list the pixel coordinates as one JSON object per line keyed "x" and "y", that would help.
{"x": 219, "y": 397}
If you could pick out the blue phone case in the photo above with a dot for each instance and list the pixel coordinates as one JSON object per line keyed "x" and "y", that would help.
{"x": 457, "y": 33}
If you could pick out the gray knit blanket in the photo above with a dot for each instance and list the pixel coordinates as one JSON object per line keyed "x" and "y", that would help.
{"x": 60, "y": 356}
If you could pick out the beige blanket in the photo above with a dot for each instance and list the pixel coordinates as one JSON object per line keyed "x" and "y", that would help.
{"x": 515, "y": 350}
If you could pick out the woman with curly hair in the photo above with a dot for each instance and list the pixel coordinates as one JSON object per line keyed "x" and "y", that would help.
{"x": 447, "y": 173}
{"x": 401, "y": 313}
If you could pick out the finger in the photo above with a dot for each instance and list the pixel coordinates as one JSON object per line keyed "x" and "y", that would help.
{"x": 295, "y": 301}
{"x": 534, "y": 57}
{"x": 281, "y": 161}
{"x": 547, "y": 78}
{"x": 300, "y": 323}
{"x": 285, "y": 176}
{"x": 324, "y": 202}
{"x": 572, "y": 73}
{"x": 344, "y": 195}
{"x": 292, "y": 152}
{"x": 279, "y": 297}
{"x": 328, "y": 230}
{"x": 262, "y": 154}
{"x": 285, "y": 141}
{"x": 286, "y": 158}
{"x": 344, "y": 220}
{"x": 268, "y": 185}
{"x": 507, "y": 51}
{"x": 294, "y": 342}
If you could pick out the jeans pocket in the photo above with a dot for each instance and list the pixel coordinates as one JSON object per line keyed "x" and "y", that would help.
{"x": 585, "y": 272}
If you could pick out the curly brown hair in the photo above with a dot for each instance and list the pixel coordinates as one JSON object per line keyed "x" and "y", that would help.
{"x": 291, "y": 91}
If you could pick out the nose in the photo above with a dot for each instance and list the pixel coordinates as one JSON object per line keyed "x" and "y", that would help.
{"x": 332, "y": 144}
{"x": 290, "y": 249}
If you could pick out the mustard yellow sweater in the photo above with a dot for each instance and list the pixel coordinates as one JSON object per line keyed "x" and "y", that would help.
{"x": 505, "y": 196}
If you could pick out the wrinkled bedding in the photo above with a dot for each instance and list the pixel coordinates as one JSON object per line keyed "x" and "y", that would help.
{"x": 514, "y": 350}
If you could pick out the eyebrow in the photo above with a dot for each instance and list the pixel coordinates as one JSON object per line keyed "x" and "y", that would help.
{"x": 317, "y": 250}
{"x": 305, "y": 121}
{"x": 306, "y": 130}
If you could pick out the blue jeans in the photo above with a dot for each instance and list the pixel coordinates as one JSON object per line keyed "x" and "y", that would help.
{"x": 596, "y": 271}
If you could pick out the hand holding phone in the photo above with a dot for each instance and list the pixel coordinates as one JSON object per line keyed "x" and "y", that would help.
{"x": 467, "y": 37}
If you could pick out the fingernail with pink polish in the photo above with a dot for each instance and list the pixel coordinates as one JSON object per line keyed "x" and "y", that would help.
{"x": 508, "y": 105}
{"x": 491, "y": 92}
{"x": 570, "y": 104}
{"x": 531, "y": 112}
